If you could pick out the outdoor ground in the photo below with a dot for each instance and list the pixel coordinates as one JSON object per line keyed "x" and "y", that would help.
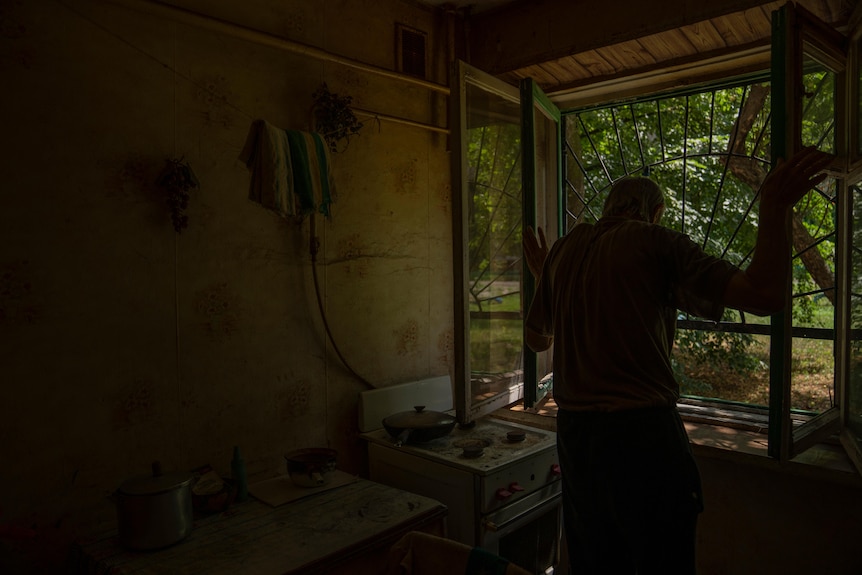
{"x": 811, "y": 384}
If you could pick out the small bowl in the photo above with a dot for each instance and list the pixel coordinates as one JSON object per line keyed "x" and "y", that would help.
{"x": 312, "y": 466}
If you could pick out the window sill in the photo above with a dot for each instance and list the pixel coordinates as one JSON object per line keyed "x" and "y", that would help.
{"x": 824, "y": 461}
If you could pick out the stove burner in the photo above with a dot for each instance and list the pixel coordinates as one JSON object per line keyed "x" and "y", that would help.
{"x": 496, "y": 449}
{"x": 516, "y": 435}
{"x": 472, "y": 447}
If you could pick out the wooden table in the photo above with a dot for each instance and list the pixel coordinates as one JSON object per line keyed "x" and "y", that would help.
{"x": 348, "y": 529}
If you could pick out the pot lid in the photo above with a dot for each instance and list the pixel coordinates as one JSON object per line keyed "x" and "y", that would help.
{"x": 156, "y": 482}
{"x": 419, "y": 419}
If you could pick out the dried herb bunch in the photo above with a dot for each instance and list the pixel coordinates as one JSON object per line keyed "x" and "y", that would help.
{"x": 333, "y": 117}
{"x": 177, "y": 178}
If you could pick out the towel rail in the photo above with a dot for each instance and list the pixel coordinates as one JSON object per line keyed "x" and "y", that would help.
{"x": 185, "y": 16}
{"x": 398, "y": 120}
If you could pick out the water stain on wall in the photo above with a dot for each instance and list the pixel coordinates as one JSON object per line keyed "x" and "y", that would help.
{"x": 217, "y": 306}
{"x": 18, "y": 302}
{"x": 134, "y": 182}
{"x": 350, "y": 250}
{"x": 135, "y": 405}
{"x": 127, "y": 181}
{"x": 407, "y": 338}
{"x": 213, "y": 95}
{"x": 12, "y": 27}
{"x": 445, "y": 348}
{"x": 294, "y": 23}
{"x": 257, "y": 256}
{"x": 444, "y": 194}
{"x": 350, "y": 78}
{"x": 293, "y": 399}
{"x": 189, "y": 399}
{"x": 405, "y": 178}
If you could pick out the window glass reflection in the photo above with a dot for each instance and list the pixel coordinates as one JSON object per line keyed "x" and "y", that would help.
{"x": 494, "y": 242}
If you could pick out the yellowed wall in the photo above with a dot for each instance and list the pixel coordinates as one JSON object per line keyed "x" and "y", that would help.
{"x": 762, "y": 518}
{"x": 123, "y": 342}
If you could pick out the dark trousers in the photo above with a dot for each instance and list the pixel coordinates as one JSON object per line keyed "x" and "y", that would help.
{"x": 631, "y": 492}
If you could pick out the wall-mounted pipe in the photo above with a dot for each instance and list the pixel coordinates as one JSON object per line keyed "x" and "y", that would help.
{"x": 184, "y": 16}
{"x": 169, "y": 12}
{"x": 406, "y": 122}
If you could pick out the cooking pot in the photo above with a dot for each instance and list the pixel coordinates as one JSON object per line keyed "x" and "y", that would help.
{"x": 154, "y": 511}
{"x": 418, "y": 426}
{"x": 312, "y": 466}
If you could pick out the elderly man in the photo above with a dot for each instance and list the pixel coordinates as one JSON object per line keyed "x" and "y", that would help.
{"x": 607, "y": 298}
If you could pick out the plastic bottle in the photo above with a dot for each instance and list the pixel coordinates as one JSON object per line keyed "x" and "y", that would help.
{"x": 237, "y": 468}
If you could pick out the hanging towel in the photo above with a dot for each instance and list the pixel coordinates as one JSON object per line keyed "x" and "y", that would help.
{"x": 290, "y": 171}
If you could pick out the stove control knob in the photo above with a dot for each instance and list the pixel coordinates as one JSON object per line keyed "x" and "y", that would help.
{"x": 503, "y": 494}
{"x": 514, "y": 487}
{"x": 555, "y": 469}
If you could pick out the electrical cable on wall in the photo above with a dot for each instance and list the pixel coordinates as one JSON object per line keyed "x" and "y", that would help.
{"x": 290, "y": 175}
{"x": 314, "y": 245}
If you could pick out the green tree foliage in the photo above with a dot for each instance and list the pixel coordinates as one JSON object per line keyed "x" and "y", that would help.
{"x": 494, "y": 208}
{"x": 709, "y": 151}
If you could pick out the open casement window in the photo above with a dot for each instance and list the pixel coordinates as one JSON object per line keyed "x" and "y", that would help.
{"x": 485, "y": 118}
{"x": 851, "y": 389}
{"x": 813, "y": 105}
{"x": 796, "y": 377}
{"x": 494, "y": 193}
{"x": 542, "y": 181}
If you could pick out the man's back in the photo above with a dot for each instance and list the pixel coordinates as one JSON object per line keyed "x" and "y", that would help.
{"x": 614, "y": 289}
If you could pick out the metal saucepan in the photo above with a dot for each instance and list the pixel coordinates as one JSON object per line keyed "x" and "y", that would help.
{"x": 154, "y": 511}
{"x": 418, "y": 426}
{"x": 312, "y": 466}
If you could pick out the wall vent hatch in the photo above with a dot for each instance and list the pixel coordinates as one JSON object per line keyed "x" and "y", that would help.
{"x": 410, "y": 50}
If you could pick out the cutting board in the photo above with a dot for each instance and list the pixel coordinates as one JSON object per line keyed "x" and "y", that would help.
{"x": 280, "y": 490}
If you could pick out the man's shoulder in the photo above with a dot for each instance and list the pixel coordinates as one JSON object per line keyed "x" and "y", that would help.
{"x": 575, "y": 235}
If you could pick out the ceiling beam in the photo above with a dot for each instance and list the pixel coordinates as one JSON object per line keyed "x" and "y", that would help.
{"x": 526, "y": 32}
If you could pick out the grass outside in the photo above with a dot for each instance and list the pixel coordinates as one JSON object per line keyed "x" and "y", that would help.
{"x": 811, "y": 381}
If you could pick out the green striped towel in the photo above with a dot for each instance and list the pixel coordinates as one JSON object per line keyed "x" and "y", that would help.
{"x": 290, "y": 170}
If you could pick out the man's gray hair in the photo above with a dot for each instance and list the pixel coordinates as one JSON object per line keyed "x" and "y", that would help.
{"x": 634, "y": 197}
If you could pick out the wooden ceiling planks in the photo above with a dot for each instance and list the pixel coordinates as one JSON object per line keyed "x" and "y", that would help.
{"x": 704, "y": 36}
{"x": 595, "y": 65}
{"x": 708, "y": 38}
{"x": 668, "y": 45}
{"x": 550, "y": 70}
{"x": 743, "y": 28}
{"x": 627, "y": 55}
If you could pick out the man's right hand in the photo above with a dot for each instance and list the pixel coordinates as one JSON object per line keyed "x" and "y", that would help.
{"x": 535, "y": 250}
{"x": 790, "y": 180}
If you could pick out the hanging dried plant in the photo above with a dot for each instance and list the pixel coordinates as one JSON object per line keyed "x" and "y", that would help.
{"x": 177, "y": 178}
{"x": 333, "y": 117}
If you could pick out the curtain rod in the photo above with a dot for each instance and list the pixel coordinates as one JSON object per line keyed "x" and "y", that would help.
{"x": 208, "y": 22}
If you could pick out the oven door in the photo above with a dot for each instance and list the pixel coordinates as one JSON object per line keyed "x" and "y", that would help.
{"x": 528, "y": 531}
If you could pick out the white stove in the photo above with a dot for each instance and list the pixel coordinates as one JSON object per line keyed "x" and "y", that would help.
{"x": 500, "y": 480}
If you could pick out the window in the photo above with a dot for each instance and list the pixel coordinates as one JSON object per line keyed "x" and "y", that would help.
{"x": 487, "y": 213}
{"x": 709, "y": 148}
{"x": 508, "y": 151}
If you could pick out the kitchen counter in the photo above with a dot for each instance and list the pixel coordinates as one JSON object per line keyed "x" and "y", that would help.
{"x": 348, "y": 529}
